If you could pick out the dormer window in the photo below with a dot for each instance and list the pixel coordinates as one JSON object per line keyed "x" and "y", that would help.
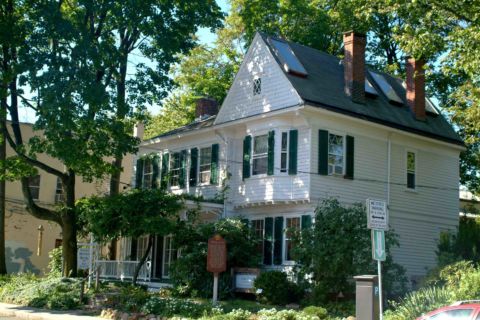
{"x": 257, "y": 86}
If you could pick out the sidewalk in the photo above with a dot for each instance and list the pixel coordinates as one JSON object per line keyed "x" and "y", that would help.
{"x": 20, "y": 312}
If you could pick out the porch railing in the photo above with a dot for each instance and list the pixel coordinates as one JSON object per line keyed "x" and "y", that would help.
{"x": 122, "y": 270}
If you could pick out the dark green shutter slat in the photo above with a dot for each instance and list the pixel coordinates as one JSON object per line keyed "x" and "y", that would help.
{"x": 323, "y": 152}
{"x": 139, "y": 174}
{"x": 277, "y": 246}
{"x": 306, "y": 221}
{"x": 292, "y": 152}
{"x": 183, "y": 168}
{"x": 214, "y": 164}
{"x": 350, "y": 157}
{"x": 271, "y": 153}
{"x": 156, "y": 172}
{"x": 268, "y": 242}
{"x": 247, "y": 146}
{"x": 193, "y": 167}
{"x": 165, "y": 164}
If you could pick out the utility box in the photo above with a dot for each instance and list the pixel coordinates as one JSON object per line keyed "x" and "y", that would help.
{"x": 366, "y": 296}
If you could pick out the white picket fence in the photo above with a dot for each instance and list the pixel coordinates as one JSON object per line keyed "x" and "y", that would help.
{"x": 122, "y": 270}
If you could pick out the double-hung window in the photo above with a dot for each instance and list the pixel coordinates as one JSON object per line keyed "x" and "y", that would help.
{"x": 34, "y": 186}
{"x": 260, "y": 155}
{"x": 169, "y": 255}
{"x": 147, "y": 174}
{"x": 258, "y": 227}
{"x": 411, "y": 164}
{"x": 175, "y": 167}
{"x": 59, "y": 195}
{"x": 335, "y": 154}
{"x": 284, "y": 153}
{"x": 292, "y": 225}
{"x": 205, "y": 165}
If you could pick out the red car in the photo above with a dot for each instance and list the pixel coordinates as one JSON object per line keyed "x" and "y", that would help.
{"x": 462, "y": 310}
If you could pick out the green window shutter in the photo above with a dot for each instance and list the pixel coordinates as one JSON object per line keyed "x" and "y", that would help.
{"x": 292, "y": 152}
{"x": 214, "y": 164}
{"x": 268, "y": 242}
{"x": 165, "y": 165}
{"x": 323, "y": 152}
{"x": 271, "y": 153}
{"x": 139, "y": 174}
{"x": 349, "y": 157}
{"x": 183, "y": 168}
{"x": 306, "y": 221}
{"x": 245, "y": 221}
{"x": 133, "y": 249}
{"x": 156, "y": 172}
{"x": 278, "y": 244}
{"x": 193, "y": 167}
{"x": 247, "y": 153}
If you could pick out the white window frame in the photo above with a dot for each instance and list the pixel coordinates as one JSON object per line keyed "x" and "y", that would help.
{"x": 263, "y": 232}
{"x": 286, "y": 152}
{"x": 407, "y": 171}
{"x": 285, "y": 238}
{"x": 170, "y": 171}
{"x": 172, "y": 252}
{"x": 59, "y": 194}
{"x": 257, "y": 86}
{"x": 343, "y": 153}
{"x": 263, "y": 155}
{"x": 37, "y": 187}
{"x": 199, "y": 181}
{"x": 142, "y": 245}
{"x": 147, "y": 164}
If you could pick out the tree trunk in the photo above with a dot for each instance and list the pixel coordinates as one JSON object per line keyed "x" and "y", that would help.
{"x": 3, "y": 156}
{"x": 69, "y": 228}
{"x": 142, "y": 261}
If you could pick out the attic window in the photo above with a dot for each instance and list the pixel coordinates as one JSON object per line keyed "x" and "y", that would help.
{"x": 386, "y": 88}
{"x": 287, "y": 57}
{"x": 257, "y": 86}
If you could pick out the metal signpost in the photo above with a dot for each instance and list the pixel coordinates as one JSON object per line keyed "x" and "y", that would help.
{"x": 377, "y": 221}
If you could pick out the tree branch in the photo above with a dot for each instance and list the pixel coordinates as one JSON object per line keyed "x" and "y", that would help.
{"x": 34, "y": 209}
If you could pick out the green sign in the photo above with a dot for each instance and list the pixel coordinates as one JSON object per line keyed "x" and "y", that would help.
{"x": 378, "y": 245}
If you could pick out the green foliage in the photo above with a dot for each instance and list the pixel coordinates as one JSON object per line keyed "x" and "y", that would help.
{"x": 130, "y": 214}
{"x": 320, "y": 312}
{"x": 169, "y": 307}
{"x": 188, "y": 273}
{"x": 50, "y": 293}
{"x": 55, "y": 262}
{"x": 339, "y": 247}
{"x": 273, "y": 287}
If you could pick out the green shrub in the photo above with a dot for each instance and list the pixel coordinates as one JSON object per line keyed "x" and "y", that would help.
{"x": 417, "y": 303}
{"x": 273, "y": 287}
{"x": 169, "y": 307}
{"x": 320, "y": 312}
{"x": 55, "y": 263}
{"x": 273, "y": 314}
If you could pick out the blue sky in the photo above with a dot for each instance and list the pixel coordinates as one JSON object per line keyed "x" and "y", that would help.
{"x": 204, "y": 34}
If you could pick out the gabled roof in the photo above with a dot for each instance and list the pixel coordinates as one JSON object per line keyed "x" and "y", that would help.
{"x": 195, "y": 125}
{"x": 323, "y": 87}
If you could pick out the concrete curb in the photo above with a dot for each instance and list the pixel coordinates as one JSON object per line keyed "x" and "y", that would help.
{"x": 21, "y": 312}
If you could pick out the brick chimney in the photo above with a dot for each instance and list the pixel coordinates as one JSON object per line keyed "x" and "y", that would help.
{"x": 354, "y": 65}
{"x": 416, "y": 87}
{"x": 206, "y": 107}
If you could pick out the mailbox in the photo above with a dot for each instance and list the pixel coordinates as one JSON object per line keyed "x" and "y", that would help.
{"x": 367, "y": 294}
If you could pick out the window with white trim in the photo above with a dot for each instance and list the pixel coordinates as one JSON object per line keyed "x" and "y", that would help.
{"x": 147, "y": 173}
{"x": 260, "y": 155}
{"x": 411, "y": 166}
{"x": 142, "y": 246}
{"x": 258, "y": 229}
{"x": 284, "y": 153}
{"x": 175, "y": 167}
{"x": 336, "y": 154}
{"x": 169, "y": 255}
{"x": 292, "y": 225}
{"x": 59, "y": 194}
{"x": 205, "y": 165}
{"x": 34, "y": 186}
{"x": 257, "y": 86}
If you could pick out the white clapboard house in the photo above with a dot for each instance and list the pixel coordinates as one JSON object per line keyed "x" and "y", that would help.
{"x": 299, "y": 126}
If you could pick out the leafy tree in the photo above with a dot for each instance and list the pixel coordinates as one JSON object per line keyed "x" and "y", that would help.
{"x": 338, "y": 247}
{"x": 75, "y": 60}
{"x": 132, "y": 214}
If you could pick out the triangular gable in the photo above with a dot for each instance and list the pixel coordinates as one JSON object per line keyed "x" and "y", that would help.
{"x": 276, "y": 90}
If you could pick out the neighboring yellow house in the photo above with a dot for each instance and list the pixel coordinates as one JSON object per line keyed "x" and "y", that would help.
{"x": 469, "y": 203}
{"x": 24, "y": 251}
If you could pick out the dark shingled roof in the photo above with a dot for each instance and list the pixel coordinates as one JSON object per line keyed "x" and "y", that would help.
{"x": 196, "y": 125}
{"x": 324, "y": 87}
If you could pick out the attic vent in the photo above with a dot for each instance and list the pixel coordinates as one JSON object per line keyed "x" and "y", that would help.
{"x": 386, "y": 88}
{"x": 287, "y": 57}
{"x": 369, "y": 89}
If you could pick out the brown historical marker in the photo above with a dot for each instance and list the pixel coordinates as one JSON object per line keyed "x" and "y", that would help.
{"x": 216, "y": 260}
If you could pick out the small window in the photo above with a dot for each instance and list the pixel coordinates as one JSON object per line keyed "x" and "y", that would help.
{"x": 284, "y": 153}
{"x": 257, "y": 86}
{"x": 335, "y": 154}
{"x": 175, "y": 167}
{"x": 258, "y": 228}
{"x": 59, "y": 194}
{"x": 204, "y": 171}
{"x": 260, "y": 155}
{"x": 292, "y": 225}
{"x": 34, "y": 186}
{"x": 147, "y": 174}
{"x": 411, "y": 170}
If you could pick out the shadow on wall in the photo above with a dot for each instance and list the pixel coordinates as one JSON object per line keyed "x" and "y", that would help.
{"x": 18, "y": 260}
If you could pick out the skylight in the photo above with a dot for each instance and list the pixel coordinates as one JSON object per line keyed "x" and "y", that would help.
{"x": 287, "y": 57}
{"x": 430, "y": 107}
{"x": 386, "y": 88}
{"x": 369, "y": 89}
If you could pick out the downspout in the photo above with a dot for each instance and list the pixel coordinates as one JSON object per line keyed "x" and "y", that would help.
{"x": 225, "y": 142}
{"x": 389, "y": 157}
